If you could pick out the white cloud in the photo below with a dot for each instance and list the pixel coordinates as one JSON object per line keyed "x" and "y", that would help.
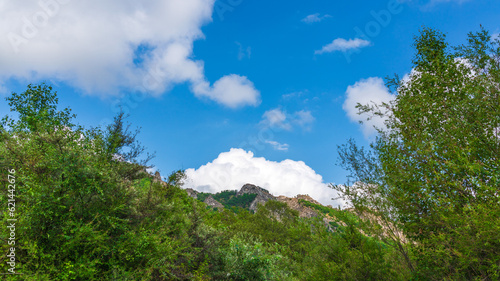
{"x": 92, "y": 45}
{"x": 294, "y": 95}
{"x": 315, "y": 18}
{"x": 367, "y": 91}
{"x": 278, "y": 146}
{"x": 277, "y": 118}
{"x": 303, "y": 118}
{"x": 231, "y": 170}
{"x": 340, "y": 44}
{"x": 231, "y": 90}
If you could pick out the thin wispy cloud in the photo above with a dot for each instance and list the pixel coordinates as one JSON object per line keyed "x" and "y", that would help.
{"x": 276, "y": 118}
{"x": 303, "y": 118}
{"x": 278, "y": 146}
{"x": 315, "y": 18}
{"x": 433, "y": 2}
{"x": 243, "y": 52}
{"x": 430, "y": 5}
{"x": 343, "y": 45}
{"x": 279, "y": 119}
{"x": 293, "y": 95}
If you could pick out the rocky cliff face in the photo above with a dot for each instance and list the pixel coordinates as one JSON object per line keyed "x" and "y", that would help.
{"x": 210, "y": 201}
{"x": 307, "y": 198}
{"x": 157, "y": 178}
{"x": 262, "y": 195}
{"x": 294, "y": 204}
{"x": 191, "y": 192}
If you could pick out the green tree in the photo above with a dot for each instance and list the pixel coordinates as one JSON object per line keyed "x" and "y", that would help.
{"x": 75, "y": 209}
{"x": 122, "y": 148}
{"x": 177, "y": 178}
{"x": 435, "y": 171}
{"x": 37, "y": 110}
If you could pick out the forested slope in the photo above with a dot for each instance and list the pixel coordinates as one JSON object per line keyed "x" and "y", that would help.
{"x": 424, "y": 198}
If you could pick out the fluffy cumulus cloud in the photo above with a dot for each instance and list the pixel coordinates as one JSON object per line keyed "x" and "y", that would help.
{"x": 231, "y": 170}
{"x": 280, "y": 119}
{"x": 231, "y": 90}
{"x": 103, "y": 47}
{"x": 343, "y": 45}
{"x": 367, "y": 91}
{"x": 315, "y": 18}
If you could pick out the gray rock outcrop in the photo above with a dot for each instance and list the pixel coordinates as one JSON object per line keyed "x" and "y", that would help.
{"x": 191, "y": 192}
{"x": 262, "y": 195}
{"x": 294, "y": 204}
{"x": 157, "y": 177}
{"x": 210, "y": 201}
{"x": 307, "y": 198}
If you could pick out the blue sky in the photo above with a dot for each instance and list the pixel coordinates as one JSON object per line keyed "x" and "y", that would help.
{"x": 234, "y": 91}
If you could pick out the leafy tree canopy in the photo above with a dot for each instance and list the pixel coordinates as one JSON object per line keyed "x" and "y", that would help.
{"x": 435, "y": 171}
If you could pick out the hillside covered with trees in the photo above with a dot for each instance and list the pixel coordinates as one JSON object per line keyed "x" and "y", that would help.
{"x": 424, "y": 198}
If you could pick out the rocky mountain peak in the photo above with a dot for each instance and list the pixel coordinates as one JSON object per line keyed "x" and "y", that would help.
{"x": 262, "y": 195}
{"x": 253, "y": 189}
{"x": 307, "y": 198}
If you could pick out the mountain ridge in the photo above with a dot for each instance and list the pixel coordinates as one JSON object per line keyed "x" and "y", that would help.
{"x": 262, "y": 196}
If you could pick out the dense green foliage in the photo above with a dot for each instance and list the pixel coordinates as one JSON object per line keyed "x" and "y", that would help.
{"x": 435, "y": 172}
{"x": 425, "y": 196}
{"x": 229, "y": 199}
{"x": 337, "y": 214}
{"x": 87, "y": 210}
